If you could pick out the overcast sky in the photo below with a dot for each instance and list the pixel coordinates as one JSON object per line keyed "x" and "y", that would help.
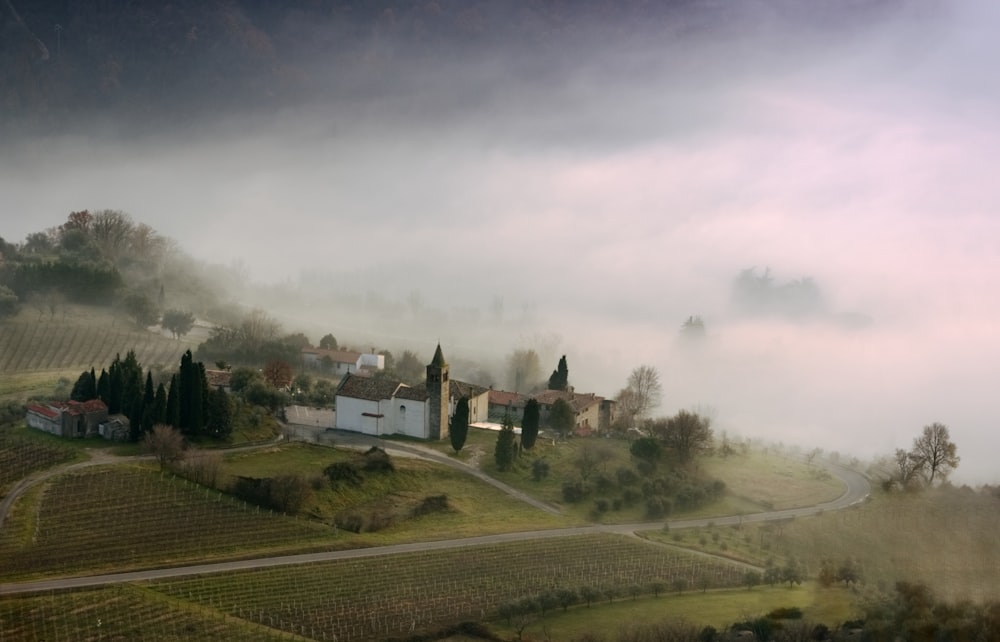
{"x": 615, "y": 190}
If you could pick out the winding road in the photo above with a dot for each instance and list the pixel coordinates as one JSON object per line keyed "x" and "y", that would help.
{"x": 856, "y": 491}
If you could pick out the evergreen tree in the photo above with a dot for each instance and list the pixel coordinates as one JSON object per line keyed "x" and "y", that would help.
{"x": 561, "y": 417}
{"x": 104, "y": 386}
{"x": 220, "y": 413}
{"x": 459, "y": 428}
{"x": 530, "y": 423}
{"x": 85, "y": 387}
{"x": 186, "y": 384}
{"x": 559, "y": 379}
{"x": 199, "y": 398}
{"x": 159, "y": 415}
{"x": 506, "y": 447}
{"x": 173, "y": 408}
{"x": 115, "y": 386}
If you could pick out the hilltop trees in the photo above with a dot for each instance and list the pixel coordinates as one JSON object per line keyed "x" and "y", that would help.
{"x": 936, "y": 452}
{"x": 177, "y": 322}
{"x": 933, "y": 456}
{"x": 561, "y": 417}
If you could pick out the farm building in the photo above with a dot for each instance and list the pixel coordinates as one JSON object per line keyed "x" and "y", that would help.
{"x": 68, "y": 418}
{"x": 380, "y": 407}
{"x": 342, "y": 362}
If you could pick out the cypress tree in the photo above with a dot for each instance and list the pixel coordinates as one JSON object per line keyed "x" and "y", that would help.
{"x": 173, "y": 411}
{"x": 530, "y": 423}
{"x": 506, "y": 446}
{"x": 115, "y": 387}
{"x": 104, "y": 386}
{"x": 159, "y": 415}
{"x": 85, "y": 388}
{"x": 220, "y": 413}
{"x": 185, "y": 392}
{"x": 459, "y": 428}
{"x": 559, "y": 379}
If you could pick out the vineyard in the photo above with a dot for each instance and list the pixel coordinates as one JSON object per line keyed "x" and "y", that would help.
{"x": 117, "y": 517}
{"x": 22, "y": 455}
{"x": 377, "y": 598}
{"x": 54, "y": 345}
{"x": 117, "y": 613}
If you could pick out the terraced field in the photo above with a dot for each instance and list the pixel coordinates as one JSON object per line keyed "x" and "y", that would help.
{"x": 126, "y": 517}
{"x": 27, "y": 346}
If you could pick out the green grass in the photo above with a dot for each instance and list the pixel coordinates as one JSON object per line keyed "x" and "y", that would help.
{"x": 755, "y": 482}
{"x": 476, "y": 507}
{"x": 945, "y": 539}
{"x": 716, "y": 608}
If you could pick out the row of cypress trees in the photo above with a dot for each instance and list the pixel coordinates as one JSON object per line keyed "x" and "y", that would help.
{"x": 186, "y": 402}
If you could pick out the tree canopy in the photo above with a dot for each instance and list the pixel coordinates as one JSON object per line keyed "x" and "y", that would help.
{"x": 459, "y": 428}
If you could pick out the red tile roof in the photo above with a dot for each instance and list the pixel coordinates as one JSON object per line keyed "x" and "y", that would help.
{"x": 45, "y": 411}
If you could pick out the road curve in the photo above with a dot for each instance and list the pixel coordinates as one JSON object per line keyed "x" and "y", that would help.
{"x": 857, "y": 490}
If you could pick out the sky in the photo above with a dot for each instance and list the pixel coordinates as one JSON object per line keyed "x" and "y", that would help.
{"x": 605, "y": 193}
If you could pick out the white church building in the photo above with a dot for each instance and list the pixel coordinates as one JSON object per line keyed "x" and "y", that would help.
{"x": 385, "y": 407}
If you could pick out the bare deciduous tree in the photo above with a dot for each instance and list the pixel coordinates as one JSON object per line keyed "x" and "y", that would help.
{"x": 523, "y": 371}
{"x": 935, "y": 451}
{"x": 642, "y": 393}
{"x": 166, "y": 444}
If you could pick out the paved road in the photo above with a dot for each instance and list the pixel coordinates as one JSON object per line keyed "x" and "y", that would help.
{"x": 857, "y": 489}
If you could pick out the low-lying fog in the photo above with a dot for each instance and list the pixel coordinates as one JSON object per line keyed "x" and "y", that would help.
{"x": 606, "y": 194}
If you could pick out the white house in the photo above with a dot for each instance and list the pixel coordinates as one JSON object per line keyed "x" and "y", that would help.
{"x": 342, "y": 362}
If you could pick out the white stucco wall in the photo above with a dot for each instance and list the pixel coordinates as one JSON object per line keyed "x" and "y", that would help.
{"x": 412, "y": 422}
{"x": 350, "y": 415}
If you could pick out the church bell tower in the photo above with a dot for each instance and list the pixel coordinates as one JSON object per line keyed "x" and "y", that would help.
{"x": 437, "y": 396}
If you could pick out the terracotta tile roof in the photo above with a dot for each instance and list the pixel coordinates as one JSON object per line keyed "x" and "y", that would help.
{"x": 218, "y": 378}
{"x": 579, "y": 401}
{"x": 337, "y": 356}
{"x": 86, "y": 407}
{"x": 504, "y": 398}
{"x": 45, "y": 411}
{"x": 368, "y": 388}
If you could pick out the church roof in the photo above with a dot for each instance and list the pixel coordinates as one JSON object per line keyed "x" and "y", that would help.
{"x": 368, "y": 388}
{"x": 438, "y": 360}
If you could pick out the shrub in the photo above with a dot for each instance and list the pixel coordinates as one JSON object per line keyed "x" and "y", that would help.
{"x": 601, "y": 506}
{"x": 343, "y": 472}
{"x": 655, "y": 507}
{"x": 432, "y": 504}
{"x": 574, "y": 492}
{"x": 377, "y": 460}
{"x": 626, "y": 476}
{"x": 786, "y": 613}
{"x": 603, "y": 483}
{"x": 539, "y": 469}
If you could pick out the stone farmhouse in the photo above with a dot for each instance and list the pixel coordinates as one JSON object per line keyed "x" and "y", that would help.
{"x": 342, "y": 362}
{"x": 376, "y": 406}
{"x": 592, "y": 412}
{"x": 68, "y": 418}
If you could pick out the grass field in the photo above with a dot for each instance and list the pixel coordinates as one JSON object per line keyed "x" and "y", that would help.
{"x": 756, "y": 482}
{"x": 475, "y": 508}
{"x": 946, "y": 539}
{"x": 716, "y": 608}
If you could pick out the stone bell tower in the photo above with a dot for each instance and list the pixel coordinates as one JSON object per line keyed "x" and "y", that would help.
{"x": 437, "y": 396}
